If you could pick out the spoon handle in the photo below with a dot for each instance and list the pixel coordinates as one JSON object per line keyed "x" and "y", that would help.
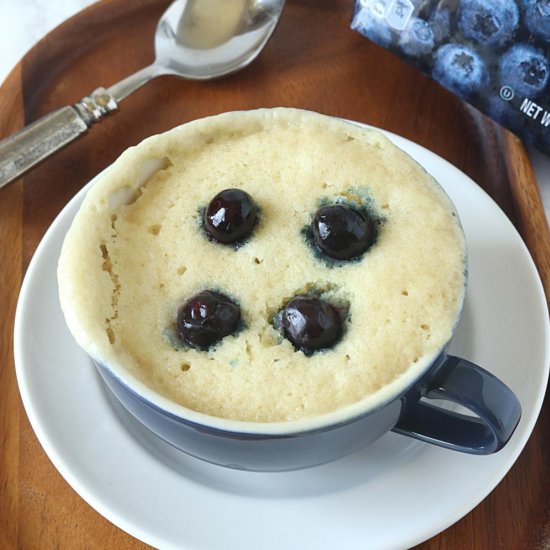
{"x": 34, "y": 143}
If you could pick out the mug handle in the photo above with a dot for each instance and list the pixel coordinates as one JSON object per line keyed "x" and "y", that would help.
{"x": 496, "y": 407}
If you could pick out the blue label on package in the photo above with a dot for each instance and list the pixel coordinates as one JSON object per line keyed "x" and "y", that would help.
{"x": 494, "y": 54}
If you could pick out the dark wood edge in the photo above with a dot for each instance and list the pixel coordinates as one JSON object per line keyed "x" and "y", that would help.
{"x": 530, "y": 215}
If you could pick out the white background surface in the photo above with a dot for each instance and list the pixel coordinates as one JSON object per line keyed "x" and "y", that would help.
{"x": 24, "y": 22}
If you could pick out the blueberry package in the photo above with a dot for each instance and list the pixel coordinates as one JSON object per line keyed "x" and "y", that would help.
{"x": 492, "y": 53}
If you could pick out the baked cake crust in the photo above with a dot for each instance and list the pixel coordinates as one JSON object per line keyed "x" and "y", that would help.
{"x": 136, "y": 251}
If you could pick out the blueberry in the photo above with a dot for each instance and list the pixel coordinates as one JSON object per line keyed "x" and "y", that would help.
{"x": 490, "y": 23}
{"x": 311, "y": 324}
{"x": 372, "y": 26}
{"x": 537, "y": 18}
{"x": 418, "y": 38}
{"x": 525, "y": 69}
{"x": 230, "y": 216}
{"x": 342, "y": 232}
{"x": 440, "y": 21}
{"x": 206, "y": 318}
{"x": 460, "y": 69}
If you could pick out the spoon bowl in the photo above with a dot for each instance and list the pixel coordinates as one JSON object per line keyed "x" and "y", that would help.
{"x": 203, "y": 40}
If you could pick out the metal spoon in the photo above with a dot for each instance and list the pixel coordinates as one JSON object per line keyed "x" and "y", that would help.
{"x": 196, "y": 39}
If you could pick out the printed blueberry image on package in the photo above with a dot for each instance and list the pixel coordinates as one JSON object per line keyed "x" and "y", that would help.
{"x": 495, "y": 54}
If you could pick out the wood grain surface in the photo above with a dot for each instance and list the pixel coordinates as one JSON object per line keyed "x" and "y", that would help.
{"x": 315, "y": 62}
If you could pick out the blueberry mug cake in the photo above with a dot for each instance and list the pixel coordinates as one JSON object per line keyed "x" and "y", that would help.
{"x": 264, "y": 266}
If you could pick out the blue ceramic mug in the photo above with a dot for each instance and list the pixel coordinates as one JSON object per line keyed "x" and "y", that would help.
{"x": 400, "y": 405}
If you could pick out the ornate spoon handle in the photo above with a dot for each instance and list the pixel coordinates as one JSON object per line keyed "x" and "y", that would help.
{"x": 34, "y": 143}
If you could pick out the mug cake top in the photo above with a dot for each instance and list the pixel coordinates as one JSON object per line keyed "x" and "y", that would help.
{"x": 138, "y": 250}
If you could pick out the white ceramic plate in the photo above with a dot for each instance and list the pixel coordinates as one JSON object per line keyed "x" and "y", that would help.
{"x": 394, "y": 494}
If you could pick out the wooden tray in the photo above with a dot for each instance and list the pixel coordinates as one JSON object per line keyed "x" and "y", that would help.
{"x": 315, "y": 62}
